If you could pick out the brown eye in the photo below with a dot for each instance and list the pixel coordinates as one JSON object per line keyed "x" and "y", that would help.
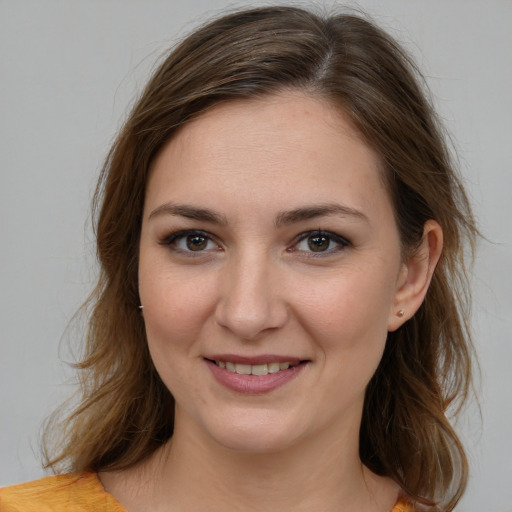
{"x": 318, "y": 243}
{"x": 186, "y": 242}
{"x": 196, "y": 242}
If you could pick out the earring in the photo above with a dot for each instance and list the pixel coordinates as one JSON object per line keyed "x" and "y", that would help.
{"x": 141, "y": 309}
{"x": 400, "y": 313}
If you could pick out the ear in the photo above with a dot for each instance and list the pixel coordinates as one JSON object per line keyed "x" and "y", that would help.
{"x": 415, "y": 276}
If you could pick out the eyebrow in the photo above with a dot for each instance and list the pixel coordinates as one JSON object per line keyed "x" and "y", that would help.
{"x": 283, "y": 218}
{"x": 321, "y": 210}
{"x": 189, "y": 212}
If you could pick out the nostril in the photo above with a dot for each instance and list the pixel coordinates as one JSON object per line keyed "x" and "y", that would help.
{"x": 249, "y": 323}
{"x": 248, "y": 303}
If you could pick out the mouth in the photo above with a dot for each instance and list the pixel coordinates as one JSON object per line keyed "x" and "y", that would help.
{"x": 256, "y": 369}
{"x": 255, "y": 375}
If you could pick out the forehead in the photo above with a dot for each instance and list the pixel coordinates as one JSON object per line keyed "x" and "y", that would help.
{"x": 289, "y": 147}
{"x": 252, "y": 124}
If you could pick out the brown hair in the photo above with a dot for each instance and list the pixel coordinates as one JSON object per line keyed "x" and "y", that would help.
{"x": 126, "y": 412}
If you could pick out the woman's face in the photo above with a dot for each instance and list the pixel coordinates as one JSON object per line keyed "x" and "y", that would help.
{"x": 269, "y": 268}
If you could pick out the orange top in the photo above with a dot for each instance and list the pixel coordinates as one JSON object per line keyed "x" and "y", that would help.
{"x": 76, "y": 493}
{"x": 61, "y": 493}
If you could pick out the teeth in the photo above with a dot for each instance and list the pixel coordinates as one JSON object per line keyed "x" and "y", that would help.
{"x": 260, "y": 369}
{"x": 273, "y": 367}
{"x": 243, "y": 369}
{"x": 255, "y": 369}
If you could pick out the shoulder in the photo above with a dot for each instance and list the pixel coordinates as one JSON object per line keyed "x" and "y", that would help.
{"x": 402, "y": 505}
{"x": 62, "y": 493}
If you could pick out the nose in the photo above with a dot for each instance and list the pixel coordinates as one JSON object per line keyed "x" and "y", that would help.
{"x": 252, "y": 299}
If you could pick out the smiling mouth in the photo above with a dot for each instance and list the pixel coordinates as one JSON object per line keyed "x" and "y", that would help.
{"x": 255, "y": 369}
{"x": 255, "y": 375}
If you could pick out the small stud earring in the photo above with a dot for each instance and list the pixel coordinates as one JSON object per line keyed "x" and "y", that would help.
{"x": 141, "y": 309}
{"x": 400, "y": 313}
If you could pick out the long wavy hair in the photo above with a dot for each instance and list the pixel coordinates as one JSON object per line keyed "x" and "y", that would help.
{"x": 125, "y": 411}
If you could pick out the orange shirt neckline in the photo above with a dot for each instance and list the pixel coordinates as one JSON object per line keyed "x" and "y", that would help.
{"x": 74, "y": 492}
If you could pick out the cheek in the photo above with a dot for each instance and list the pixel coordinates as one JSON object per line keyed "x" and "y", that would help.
{"x": 349, "y": 311}
{"x": 176, "y": 305}
{"x": 178, "y": 301}
{"x": 176, "y": 309}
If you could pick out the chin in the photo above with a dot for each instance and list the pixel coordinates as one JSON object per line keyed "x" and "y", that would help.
{"x": 254, "y": 443}
{"x": 255, "y": 434}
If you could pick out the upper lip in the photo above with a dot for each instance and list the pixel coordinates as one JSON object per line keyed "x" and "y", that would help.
{"x": 254, "y": 360}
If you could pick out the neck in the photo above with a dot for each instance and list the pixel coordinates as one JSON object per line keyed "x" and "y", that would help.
{"x": 322, "y": 473}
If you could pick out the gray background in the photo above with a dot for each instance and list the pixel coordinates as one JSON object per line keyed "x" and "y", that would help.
{"x": 68, "y": 71}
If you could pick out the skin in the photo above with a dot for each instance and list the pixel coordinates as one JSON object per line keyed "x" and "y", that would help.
{"x": 255, "y": 287}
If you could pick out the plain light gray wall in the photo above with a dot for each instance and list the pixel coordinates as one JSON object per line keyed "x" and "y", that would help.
{"x": 68, "y": 70}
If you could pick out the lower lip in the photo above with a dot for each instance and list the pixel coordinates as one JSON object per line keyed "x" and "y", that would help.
{"x": 254, "y": 384}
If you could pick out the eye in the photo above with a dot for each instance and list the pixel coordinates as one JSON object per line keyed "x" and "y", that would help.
{"x": 190, "y": 241}
{"x": 320, "y": 242}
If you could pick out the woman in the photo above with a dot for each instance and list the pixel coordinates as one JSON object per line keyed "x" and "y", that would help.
{"x": 280, "y": 316}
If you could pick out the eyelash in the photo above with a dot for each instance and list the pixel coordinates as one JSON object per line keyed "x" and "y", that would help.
{"x": 341, "y": 242}
{"x": 174, "y": 238}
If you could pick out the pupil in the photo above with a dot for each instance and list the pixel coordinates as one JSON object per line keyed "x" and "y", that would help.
{"x": 318, "y": 243}
{"x": 196, "y": 242}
